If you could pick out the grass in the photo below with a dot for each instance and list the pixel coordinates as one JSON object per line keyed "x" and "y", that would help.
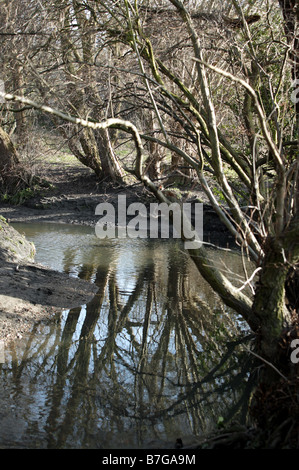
{"x": 63, "y": 157}
{"x": 46, "y": 149}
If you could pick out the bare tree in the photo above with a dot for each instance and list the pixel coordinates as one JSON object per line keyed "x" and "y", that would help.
{"x": 229, "y": 98}
{"x": 50, "y": 52}
{"x": 268, "y": 228}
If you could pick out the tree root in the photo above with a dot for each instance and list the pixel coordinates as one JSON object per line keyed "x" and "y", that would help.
{"x": 275, "y": 410}
{"x": 236, "y": 437}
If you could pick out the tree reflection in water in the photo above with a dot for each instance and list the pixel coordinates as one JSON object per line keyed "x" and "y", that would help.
{"x": 155, "y": 355}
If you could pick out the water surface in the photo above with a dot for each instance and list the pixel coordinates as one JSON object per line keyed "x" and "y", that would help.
{"x": 153, "y": 357}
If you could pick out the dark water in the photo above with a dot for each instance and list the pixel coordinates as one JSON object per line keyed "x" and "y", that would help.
{"x": 153, "y": 357}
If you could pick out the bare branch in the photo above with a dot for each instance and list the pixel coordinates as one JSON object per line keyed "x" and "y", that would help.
{"x": 262, "y": 117}
{"x": 115, "y": 123}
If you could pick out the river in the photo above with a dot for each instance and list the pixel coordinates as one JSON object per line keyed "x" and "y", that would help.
{"x": 155, "y": 356}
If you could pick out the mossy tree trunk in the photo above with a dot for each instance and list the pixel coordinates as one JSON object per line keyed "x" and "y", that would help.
{"x": 269, "y": 306}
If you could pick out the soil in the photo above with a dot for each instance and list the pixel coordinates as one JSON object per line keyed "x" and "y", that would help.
{"x": 31, "y": 293}
{"x": 76, "y": 193}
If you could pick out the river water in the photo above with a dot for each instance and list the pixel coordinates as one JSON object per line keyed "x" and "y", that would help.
{"x": 153, "y": 357}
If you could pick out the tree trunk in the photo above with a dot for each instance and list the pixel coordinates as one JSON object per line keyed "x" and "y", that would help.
{"x": 8, "y": 154}
{"x": 153, "y": 163}
{"x": 21, "y": 130}
{"x": 274, "y": 316}
{"x": 92, "y": 148}
{"x": 10, "y": 169}
{"x": 109, "y": 161}
{"x": 269, "y": 305}
{"x": 290, "y": 13}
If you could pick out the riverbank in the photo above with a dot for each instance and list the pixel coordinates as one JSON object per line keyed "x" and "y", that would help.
{"x": 76, "y": 193}
{"x": 31, "y": 293}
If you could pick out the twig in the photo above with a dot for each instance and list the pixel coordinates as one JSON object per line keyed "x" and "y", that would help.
{"x": 249, "y": 280}
{"x": 266, "y": 362}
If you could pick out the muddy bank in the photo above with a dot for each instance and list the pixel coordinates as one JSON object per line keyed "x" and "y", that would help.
{"x": 76, "y": 195}
{"x": 31, "y": 293}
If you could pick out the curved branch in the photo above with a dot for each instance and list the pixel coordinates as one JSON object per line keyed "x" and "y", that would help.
{"x": 261, "y": 115}
{"x": 113, "y": 123}
{"x": 230, "y": 294}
